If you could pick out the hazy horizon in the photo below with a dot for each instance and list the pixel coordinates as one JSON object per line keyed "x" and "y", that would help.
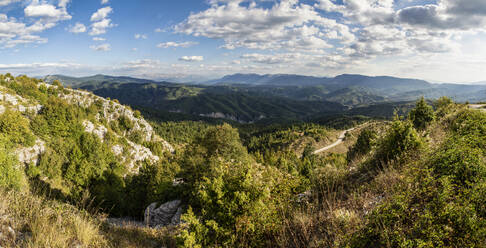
{"x": 196, "y": 40}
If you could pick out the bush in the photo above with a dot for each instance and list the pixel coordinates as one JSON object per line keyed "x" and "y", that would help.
{"x": 421, "y": 115}
{"x": 13, "y": 124}
{"x": 400, "y": 139}
{"x": 364, "y": 144}
{"x": 443, "y": 106}
{"x": 10, "y": 175}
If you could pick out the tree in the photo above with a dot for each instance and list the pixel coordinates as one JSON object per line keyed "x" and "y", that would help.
{"x": 422, "y": 114}
{"x": 229, "y": 192}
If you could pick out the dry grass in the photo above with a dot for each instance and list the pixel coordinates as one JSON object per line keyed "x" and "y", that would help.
{"x": 36, "y": 222}
{"x": 135, "y": 237}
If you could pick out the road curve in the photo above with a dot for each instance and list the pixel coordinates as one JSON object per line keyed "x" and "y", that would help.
{"x": 339, "y": 141}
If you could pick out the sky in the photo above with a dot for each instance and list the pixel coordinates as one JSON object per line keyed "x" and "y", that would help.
{"x": 193, "y": 40}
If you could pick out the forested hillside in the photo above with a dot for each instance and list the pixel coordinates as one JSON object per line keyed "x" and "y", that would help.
{"x": 78, "y": 170}
{"x": 253, "y": 98}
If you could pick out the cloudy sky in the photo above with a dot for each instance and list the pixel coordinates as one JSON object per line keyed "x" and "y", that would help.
{"x": 437, "y": 40}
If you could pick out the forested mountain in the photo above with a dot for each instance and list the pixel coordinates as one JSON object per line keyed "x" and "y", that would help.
{"x": 94, "y": 80}
{"x": 391, "y": 88}
{"x": 279, "y": 97}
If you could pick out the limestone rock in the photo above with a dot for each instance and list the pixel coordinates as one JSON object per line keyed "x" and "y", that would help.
{"x": 168, "y": 213}
{"x": 29, "y": 155}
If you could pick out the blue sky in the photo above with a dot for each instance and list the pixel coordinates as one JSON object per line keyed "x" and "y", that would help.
{"x": 437, "y": 40}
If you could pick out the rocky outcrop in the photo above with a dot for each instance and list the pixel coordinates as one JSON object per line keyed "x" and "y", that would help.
{"x": 27, "y": 155}
{"x": 17, "y": 102}
{"x": 166, "y": 214}
{"x": 97, "y": 130}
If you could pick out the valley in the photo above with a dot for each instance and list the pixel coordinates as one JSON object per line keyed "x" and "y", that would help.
{"x": 124, "y": 173}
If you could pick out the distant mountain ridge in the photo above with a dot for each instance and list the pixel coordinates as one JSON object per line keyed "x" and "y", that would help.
{"x": 252, "y": 97}
{"x": 95, "y": 79}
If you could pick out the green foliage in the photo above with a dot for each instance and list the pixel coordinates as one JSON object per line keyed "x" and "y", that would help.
{"x": 399, "y": 139}
{"x": 364, "y": 144}
{"x": 231, "y": 199}
{"x": 422, "y": 114}
{"x": 278, "y": 137}
{"x": 58, "y": 119}
{"x": 57, "y": 83}
{"x": 125, "y": 123}
{"x": 442, "y": 202}
{"x": 10, "y": 175}
{"x": 443, "y": 106}
{"x": 13, "y": 124}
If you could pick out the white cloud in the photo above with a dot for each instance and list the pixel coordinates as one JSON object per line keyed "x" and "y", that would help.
{"x": 103, "y": 47}
{"x": 47, "y": 11}
{"x": 191, "y": 58}
{"x": 100, "y": 27}
{"x": 287, "y": 25}
{"x": 78, "y": 28}
{"x": 101, "y": 14}
{"x": 7, "y": 2}
{"x": 269, "y": 58}
{"x": 40, "y": 17}
{"x": 104, "y": 1}
{"x": 177, "y": 44}
{"x": 140, "y": 36}
{"x": 63, "y": 3}
{"x": 99, "y": 39}
{"x": 357, "y": 33}
{"x": 101, "y": 22}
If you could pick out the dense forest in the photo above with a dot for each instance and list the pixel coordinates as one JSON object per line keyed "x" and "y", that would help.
{"x": 72, "y": 162}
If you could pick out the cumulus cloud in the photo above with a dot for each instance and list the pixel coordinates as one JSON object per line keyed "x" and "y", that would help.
{"x": 104, "y": 1}
{"x": 191, "y": 58}
{"x": 78, "y": 28}
{"x": 287, "y": 25}
{"x": 103, "y": 47}
{"x": 47, "y": 12}
{"x": 39, "y": 17}
{"x": 101, "y": 14}
{"x": 176, "y": 44}
{"x": 332, "y": 33}
{"x": 100, "y": 21}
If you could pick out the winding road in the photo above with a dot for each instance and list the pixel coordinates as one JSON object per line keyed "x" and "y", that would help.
{"x": 339, "y": 141}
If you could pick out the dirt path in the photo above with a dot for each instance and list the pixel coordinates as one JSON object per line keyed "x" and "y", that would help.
{"x": 339, "y": 140}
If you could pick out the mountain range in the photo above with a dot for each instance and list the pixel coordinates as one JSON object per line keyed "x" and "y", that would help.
{"x": 252, "y": 97}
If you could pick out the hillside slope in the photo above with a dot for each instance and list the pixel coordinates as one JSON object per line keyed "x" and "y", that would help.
{"x": 71, "y": 141}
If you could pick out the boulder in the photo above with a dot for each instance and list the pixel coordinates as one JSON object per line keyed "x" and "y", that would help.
{"x": 166, "y": 214}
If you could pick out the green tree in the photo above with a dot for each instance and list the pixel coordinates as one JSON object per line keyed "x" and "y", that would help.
{"x": 229, "y": 192}
{"x": 364, "y": 144}
{"x": 422, "y": 114}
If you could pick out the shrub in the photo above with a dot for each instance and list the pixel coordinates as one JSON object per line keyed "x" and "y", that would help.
{"x": 400, "y": 139}
{"x": 13, "y": 124}
{"x": 364, "y": 143}
{"x": 421, "y": 115}
{"x": 125, "y": 123}
{"x": 443, "y": 106}
{"x": 10, "y": 175}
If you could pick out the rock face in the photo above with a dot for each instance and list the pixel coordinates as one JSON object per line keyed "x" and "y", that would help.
{"x": 168, "y": 213}
{"x": 27, "y": 155}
